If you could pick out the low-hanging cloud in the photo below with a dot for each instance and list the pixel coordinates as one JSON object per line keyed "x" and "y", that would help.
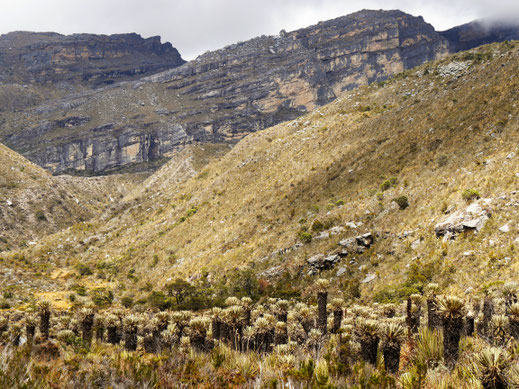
{"x": 194, "y": 26}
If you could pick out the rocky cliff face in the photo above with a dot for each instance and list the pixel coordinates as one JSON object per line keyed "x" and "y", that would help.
{"x": 82, "y": 58}
{"x": 223, "y": 95}
{"x": 479, "y": 33}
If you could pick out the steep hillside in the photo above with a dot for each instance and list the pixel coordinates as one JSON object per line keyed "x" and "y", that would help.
{"x": 393, "y": 159}
{"x": 222, "y": 95}
{"x": 33, "y": 203}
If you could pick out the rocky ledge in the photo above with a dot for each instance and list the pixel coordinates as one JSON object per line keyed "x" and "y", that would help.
{"x": 219, "y": 97}
{"x": 82, "y": 58}
{"x": 223, "y": 95}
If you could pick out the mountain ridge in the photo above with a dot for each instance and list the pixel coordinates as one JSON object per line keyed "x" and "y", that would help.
{"x": 223, "y": 95}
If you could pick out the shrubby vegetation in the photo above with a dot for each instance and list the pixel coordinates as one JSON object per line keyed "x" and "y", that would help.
{"x": 429, "y": 341}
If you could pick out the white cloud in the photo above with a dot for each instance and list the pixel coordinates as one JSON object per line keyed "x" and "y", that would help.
{"x": 194, "y": 26}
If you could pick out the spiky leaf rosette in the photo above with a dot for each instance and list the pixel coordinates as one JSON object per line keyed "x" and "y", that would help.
{"x": 510, "y": 289}
{"x": 230, "y": 301}
{"x": 416, "y": 298}
{"x": 112, "y": 320}
{"x": 131, "y": 323}
{"x": 432, "y": 289}
{"x": 368, "y": 328}
{"x": 246, "y": 302}
{"x": 44, "y": 306}
{"x": 262, "y": 325}
{"x": 514, "y": 310}
{"x": 491, "y": 365}
{"x": 322, "y": 284}
{"x": 234, "y": 315}
{"x": 199, "y": 325}
{"x": 393, "y": 333}
{"x": 451, "y": 307}
{"x": 181, "y": 318}
{"x": 282, "y": 306}
{"x": 336, "y": 304}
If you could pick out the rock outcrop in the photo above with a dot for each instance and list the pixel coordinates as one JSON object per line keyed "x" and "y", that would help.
{"x": 221, "y": 96}
{"x": 473, "y": 218}
{"x": 82, "y": 58}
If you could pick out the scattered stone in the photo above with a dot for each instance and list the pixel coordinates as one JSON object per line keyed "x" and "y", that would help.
{"x": 505, "y": 228}
{"x": 468, "y": 253}
{"x": 511, "y": 155}
{"x": 369, "y": 278}
{"x": 272, "y": 272}
{"x": 313, "y": 261}
{"x": 9, "y": 203}
{"x": 341, "y": 271}
{"x": 359, "y": 244}
{"x": 336, "y": 230}
{"x": 320, "y": 262}
{"x": 454, "y": 69}
{"x": 416, "y": 244}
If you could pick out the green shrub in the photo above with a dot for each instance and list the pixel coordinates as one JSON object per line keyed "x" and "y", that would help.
{"x": 317, "y": 225}
{"x": 388, "y": 184}
{"x": 470, "y": 194}
{"x": 158, "y": 300}
{"x": 402, "y": 202}
{"x": 305, "y": 237}
{"x": 79, "y": 289}
{"x": 102, "y": 297}
{"x": 385, "y": 185}
{"x": 191, "y": 212}
{"x": 127, "y": 301}
{"x": 443, "y": 160}
{"x": 84, "y": 270}
{"x": 40, "y": 215}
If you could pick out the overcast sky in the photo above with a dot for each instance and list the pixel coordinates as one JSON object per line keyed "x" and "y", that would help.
{"x": 194, "y": 26}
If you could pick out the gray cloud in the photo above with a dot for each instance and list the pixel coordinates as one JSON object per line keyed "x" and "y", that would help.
{"x": 194, "y": 26}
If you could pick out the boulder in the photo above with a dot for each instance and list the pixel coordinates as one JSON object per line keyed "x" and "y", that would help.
{"x": 369, "y": 277}
{"x": 473, "y": 218}
{"x": 358, "y": 244}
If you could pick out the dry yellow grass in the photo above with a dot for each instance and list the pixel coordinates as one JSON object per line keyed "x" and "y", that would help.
{"x": 438, "y": 135}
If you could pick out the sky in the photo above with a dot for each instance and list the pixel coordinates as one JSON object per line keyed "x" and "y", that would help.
{"x": 195, "y": 26}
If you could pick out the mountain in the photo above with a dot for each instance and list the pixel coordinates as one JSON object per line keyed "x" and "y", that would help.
{"x": 217, "y": 98}
{"x": 34, "y": 204}
{"x": 88, "y": 59}
{"x": 426, "y": 163}
{"x": 480, "y": 32}
{"x": 221, "y": 96}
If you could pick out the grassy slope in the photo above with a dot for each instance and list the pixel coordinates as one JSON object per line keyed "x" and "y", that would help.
{"x": 33, "y": 203}
{"x": 437, "y": 134}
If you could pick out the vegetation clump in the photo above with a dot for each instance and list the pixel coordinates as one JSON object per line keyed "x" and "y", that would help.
{"x": 470, "y": 194}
